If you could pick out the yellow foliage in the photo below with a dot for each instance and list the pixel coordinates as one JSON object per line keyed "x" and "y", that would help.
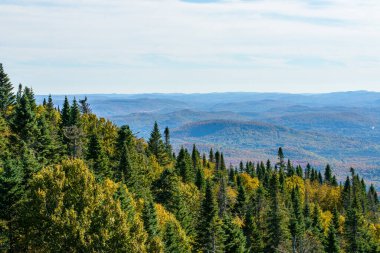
{"x": 231, "y": 194}
{"x": 375, "y": 230}
{"x": 208, "y": 173}
{"x": 164, "y": 218}
{"x": 294, "y": 181}
{"x": 249, "y": 182}
{"x": 326, "y": 195}
{"x": 238, "y": 222}
{"x": 326, "y": 218}
{"x": 156, "y": 169}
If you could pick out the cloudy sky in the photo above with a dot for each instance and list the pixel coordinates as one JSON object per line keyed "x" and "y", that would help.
{"x": 134, "y": 46}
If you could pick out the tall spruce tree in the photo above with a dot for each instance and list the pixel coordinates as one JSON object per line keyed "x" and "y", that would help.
{"x": 157, "y": 147}
{"x": 25, "y": 120}
{"x": 184, "y": 166}
{"x": 65, "y": 114}
{"x": 7, "y": 97}
{"x": 234, "y": 237}
{"x": 297, "y": 225}
{"x": 328, "y": 174}
{"x": 75, "y": 114}
{"x": 278, "y": 233}
{"x": 149, "y": 217}
{"x": 332, "y": 242}
{"x": 210, "y": 231}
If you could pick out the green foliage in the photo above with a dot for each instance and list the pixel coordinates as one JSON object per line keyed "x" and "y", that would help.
{"x": 157, "y": 147}
{"x": 62, "y": 199}
{"x": 7, "y": 98}
{"x": 161, "y": 201}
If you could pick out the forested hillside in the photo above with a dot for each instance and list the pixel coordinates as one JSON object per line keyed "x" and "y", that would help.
{"x": 73, "y": 182}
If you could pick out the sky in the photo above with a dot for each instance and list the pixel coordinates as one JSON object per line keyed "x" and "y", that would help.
{"x": 187, "y": 46}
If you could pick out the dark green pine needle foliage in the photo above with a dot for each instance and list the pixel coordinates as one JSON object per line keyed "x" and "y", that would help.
{"x": 157, "y": 147}
{"x": 7, "y": 98}
{"x": 73, "y": 182}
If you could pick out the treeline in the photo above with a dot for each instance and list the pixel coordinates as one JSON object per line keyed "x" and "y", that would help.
{"x": 73, "y": 182}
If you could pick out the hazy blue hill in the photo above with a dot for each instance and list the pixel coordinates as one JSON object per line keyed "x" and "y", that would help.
{"x": 143, "y": 122}
{"x": 343, "y": 127}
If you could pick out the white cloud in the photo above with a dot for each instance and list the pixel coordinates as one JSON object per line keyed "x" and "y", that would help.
{"x": 164, "y": 45}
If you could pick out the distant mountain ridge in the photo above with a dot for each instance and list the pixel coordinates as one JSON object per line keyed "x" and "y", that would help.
{"x": 343, "y": 127}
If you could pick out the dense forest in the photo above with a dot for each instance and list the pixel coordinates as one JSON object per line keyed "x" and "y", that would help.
{"x": 73, "y": 182}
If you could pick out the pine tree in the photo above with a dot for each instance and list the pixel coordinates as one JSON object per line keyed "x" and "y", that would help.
{"x": 25, "y": 121}
{"x": 156, "y": 146}
{"x": 97, "y": 158}
{"x": 168, "y": 146}
{"x": 307, "y": 215}
{"x": 200, "y": 181}
{"x": 211, "y": 156}
{"x": 222, "y": 197}
{"x": 296, "y": 220}
{"x": 149, "y": 217}
{"x": 241, "y": 202}
{"x": 195, "y": 156}
{"x": 184, "y": 166}
{"x": 234, "y": 237}
{"x": 47, "y": 145}
{"x": 356, "y": 231}
{"x": 7, "y": 98}
{"x": 210, "y": 230}
{"x": 332, "y": 243}
{"x": 317, "y": 223}
{"x": 278, "y": 233}
{"x": 281, "y": 157}
{"x": 346, "y": 194}
{"x": 65, "y": 114}
{"x": 222, "y": 163}
{"x": 124, "y": 171}
{"x": 172, "y": 240}
{"x": 84, "y": 106}
{"x": 254, "y": 235}
{"x": 75, "y": 114}
{"x": 328, "y": 174}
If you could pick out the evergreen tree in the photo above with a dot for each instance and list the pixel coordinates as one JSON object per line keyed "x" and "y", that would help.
{"x": 222, "y": 163}
{"x": 149, "y": 217}
{"x": 210, "y": 231}
{"x": 74, "y": 114}
{"x": 317, "y": 223}
{"x": 281, "y": 157}
{"x": 84, "y": 106}
{"x": 296, "y": 220}
{"x": 65, "y": 113}
{"x": 254, "y": 235}
{"x": 356, "y": 232}
{"x": 25, "y": 121}
{"x": 307, "y": 215}
{"x": 328, "y": 174}
{"x": 195, "y": 156}
{"x": 241, "y": 201}
{"x": 168, "y": 146}
{"x": 222, "y": 197}
{"x": 200, "y": 181}
{"x": 156, "y": 146}
{"x": 234, "y": 237}
{"x": 7, "y": 98}
{"x": 97, "y": 158}
{"x": 211, "y": 156}
{"x": 124, "y": 171}
{"x": 172, "y": 240}
{"x": 184, "y": 166}
{"x": 278, "y": 233}
{"x": 332, "y": 243}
